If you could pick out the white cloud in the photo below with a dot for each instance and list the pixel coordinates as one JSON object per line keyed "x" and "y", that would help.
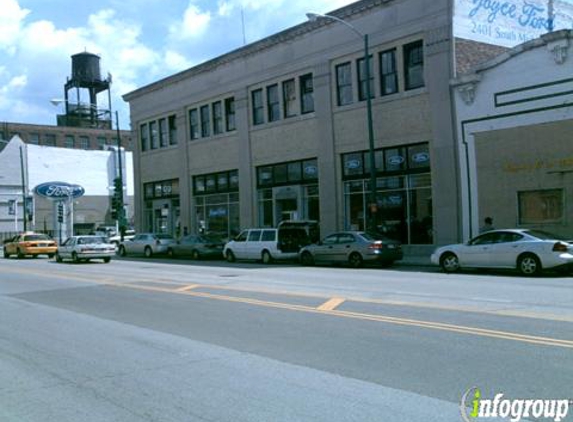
{"x": 11, "y": 18}
{"x": 193, "y": 25}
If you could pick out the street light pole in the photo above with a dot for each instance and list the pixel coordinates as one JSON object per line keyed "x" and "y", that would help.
{"x": 373, "y": 204}
{"x": 120, "y": 210}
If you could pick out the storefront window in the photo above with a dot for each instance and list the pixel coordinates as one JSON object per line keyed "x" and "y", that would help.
{"x": 540, "y": 206}
{"x": 404, "y": 209}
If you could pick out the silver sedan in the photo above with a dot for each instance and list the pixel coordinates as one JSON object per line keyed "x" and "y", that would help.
{"x": 528, "y": 251}
{"x": 352, "y": 247}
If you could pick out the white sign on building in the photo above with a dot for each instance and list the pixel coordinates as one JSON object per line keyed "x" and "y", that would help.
{"x": 510, "y": 22}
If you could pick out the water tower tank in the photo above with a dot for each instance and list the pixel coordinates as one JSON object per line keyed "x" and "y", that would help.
{"x": 85, "y": 68}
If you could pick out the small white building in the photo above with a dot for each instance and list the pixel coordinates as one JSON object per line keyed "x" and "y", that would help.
{"x": 514, "y": 119}
{"x": 93, "y": 170}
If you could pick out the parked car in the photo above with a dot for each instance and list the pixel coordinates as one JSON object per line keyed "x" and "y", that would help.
{"x": 84, "y": 248}
{"x": 354, "y": 248}
{"x": 197, "y": 247}
{"x": 267, "y": 244}
{"x": 528, "y": 251}
{"x": 148, "y": 244}
{"x": 30, "y": 243}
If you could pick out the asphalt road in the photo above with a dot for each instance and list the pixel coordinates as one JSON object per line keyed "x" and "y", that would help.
{"x": 159, "y": 340}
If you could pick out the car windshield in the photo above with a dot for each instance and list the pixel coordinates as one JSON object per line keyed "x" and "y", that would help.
{"x": 32, "y": 237}
{"x": 90, "y": 240}
{"x": 543, "y": 235}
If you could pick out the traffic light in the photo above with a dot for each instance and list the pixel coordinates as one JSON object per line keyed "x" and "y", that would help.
{"x": 117, "y": 200}
{"x": 60, "y": 212}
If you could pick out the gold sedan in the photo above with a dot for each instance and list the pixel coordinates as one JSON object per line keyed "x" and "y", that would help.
{"x": 29, "y": 243}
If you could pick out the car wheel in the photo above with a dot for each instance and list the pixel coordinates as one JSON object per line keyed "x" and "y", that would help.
{"x": 355, "y": 260}
{"x": 107, "y": 259}
{"x": 450, "y": 262}
{"x": 58, "y": 258}
{"x": 122, "y": 251}
{"x": 195, "y": 255}
{"x": 170, "y": 253}
{"x": 75, "y": 257}
{"x": 50, "y": 255}
{"x": 266, "y": 257}
{"x": 19, "y": 254}
{"x": 148, "y": 252}
{"x": 230, "y": 256}
{"x": 6, "y": 254}
{"x": 307, "y": 259}
{"x": 528, "y": 265}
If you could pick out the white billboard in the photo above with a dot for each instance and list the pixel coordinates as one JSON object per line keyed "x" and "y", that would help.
{"x": 510, "y": 22}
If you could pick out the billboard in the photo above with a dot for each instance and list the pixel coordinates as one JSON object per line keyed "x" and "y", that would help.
{"x": 510, "y": 22}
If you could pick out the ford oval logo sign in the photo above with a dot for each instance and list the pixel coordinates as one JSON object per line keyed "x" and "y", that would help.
{"x": 396, "y": 160}
{"x": 353, "y": 164}
{"x": 59, "y": 190}
{"x": 421, "y": 157}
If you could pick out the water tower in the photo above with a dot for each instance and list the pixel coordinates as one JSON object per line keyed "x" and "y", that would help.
{"x": 85, "y": 84}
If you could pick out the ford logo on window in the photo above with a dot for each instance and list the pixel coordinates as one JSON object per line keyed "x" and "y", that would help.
{"x": 310, "y": 170}
{"x": 396, "y": 160}
{"x": 421, "y": 157}
{"x": 353, "y": 164}
{"x": 59, "y": 190}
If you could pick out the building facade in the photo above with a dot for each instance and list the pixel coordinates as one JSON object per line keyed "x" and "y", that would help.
{"x": 277, "y": 130}
{"x": 514, "y": 124}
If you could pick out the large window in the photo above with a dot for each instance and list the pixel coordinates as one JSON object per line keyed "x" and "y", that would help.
{"x": 217, "y": 203}
{"x": 193, "y": 124}
{"x": 403, "y": 192}
{"x": 414, "y": 65}
{"x": 306, "y": 94}
{"x": 344, "y": 84}
{"x": 273, "y": 104}
{"x": 289, "y": 98}
{"x": 388, "y": 72}
{"x": 205, "y": 121}
{"x": 217, "y": 118}
{"x": 69, "y": 141}
{"x": 294, "y": 172}
{"x": 154, "y": 135}
{"x": 163, "y": 133}
{"x": 84, "y": 142}
{"x": 230, "y": 113}
{"x": 172, "y": 130}
{"x": 363, "y": 86}
{"x": 258, "y": 107}
{"x": 540, "y": 206}
{"x": 144, "y": 137}
{"x": 50, "y": 140}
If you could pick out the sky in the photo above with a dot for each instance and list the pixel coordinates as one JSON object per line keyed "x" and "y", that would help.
{"x": 138, "y": 41}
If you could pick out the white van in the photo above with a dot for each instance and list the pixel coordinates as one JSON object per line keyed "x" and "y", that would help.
{"x": 266, "y": 244}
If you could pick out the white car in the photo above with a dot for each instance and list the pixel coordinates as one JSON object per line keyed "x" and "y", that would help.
{"x": 528, "y": 251}
{"x": 84, "y": 248}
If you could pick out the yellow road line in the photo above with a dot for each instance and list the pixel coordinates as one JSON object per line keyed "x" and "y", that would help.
{"x": 331, "y": 304}
{"x": 524, "y": 338}
{"x": 482, "y": 332}
{"x": 187, "y": 288}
